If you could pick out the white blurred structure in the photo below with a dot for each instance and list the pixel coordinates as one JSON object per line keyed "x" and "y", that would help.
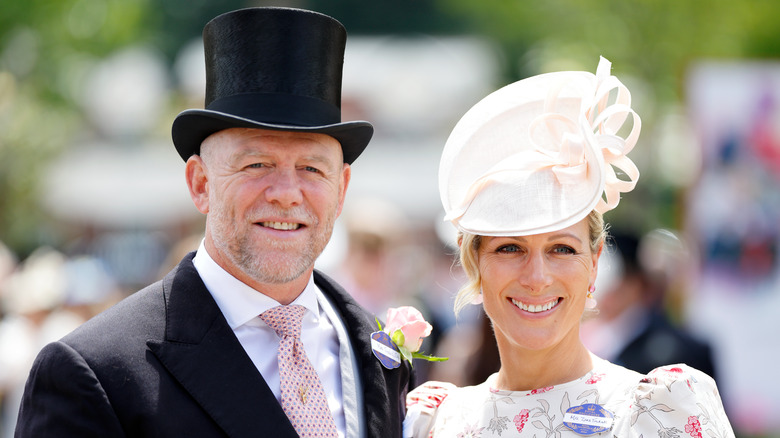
{"x": 126, "y": 178}
{"x": 412, "y": 89}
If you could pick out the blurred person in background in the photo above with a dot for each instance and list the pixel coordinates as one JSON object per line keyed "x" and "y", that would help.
{"x": 48, "y": 296}
{"x": 372, "y": 269}
{"x": 525, "y": 177}
{"x": 205, "y": 351}
{"x": 467, "y": 338}
{"x": 471, "y": 348}
{"x": 633, "y": 327}
{"x": 30, "y": 295}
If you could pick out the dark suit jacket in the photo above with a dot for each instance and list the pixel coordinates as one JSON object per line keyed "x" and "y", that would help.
{"x": 661, "y": 343}
{"x": 165, "y": 363}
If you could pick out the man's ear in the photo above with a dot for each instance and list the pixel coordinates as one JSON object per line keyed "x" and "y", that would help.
{"x": 346, "y": 175}
{"x": 197, "y": 182}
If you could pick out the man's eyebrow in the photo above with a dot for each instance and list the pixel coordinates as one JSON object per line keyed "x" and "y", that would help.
{"x": 315, "y": 158}
{"x": 239, "y": 155}
{"x": 318, "y": 158}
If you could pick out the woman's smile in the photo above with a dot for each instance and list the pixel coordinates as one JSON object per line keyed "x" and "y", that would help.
{"x": 536, "y": 308}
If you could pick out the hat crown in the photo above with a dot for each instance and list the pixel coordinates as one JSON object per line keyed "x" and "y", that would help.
{"x": 272, "y": 68}
{"x": 274, "y": 50}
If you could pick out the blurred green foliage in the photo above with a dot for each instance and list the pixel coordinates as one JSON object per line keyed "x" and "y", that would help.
{"x": 43, "y": 48}
{"x": 46, "y": 47}
{"x": 653, "y": 39}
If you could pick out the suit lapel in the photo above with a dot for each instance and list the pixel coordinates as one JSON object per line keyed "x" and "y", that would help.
{"x": 202, "y": 353}
{"x": 382, "y": 388}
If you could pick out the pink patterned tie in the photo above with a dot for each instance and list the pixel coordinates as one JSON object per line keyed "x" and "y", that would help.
{"x": 303, "y": 399}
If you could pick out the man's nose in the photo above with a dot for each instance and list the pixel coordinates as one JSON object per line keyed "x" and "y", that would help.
{"x": 284, "y": 188}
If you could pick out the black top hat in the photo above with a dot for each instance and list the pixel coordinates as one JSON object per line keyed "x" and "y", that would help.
{"x": 272, "y": 68}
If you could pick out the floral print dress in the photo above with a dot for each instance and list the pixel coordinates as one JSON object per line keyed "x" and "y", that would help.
{"x": 675, "y": 401}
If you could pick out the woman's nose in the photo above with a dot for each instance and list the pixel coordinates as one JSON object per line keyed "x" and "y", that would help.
{"x": 536, "y": 275}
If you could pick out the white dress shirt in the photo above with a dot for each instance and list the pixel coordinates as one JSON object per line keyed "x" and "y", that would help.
{"x": 242, "y": 306}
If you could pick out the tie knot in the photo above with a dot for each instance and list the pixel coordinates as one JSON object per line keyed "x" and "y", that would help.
{"x": 284, "y": 320}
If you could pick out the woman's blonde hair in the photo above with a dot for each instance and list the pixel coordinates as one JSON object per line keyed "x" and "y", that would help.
{"x": 468, "y": 245}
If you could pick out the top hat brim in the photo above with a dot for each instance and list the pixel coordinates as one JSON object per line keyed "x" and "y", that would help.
{"x": 193, "y": 126}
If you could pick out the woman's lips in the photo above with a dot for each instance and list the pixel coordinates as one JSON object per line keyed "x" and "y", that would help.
{"x": 536, "y": 308}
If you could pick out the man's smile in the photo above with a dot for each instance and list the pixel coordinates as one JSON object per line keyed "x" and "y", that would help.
{"x": 282, "y": 226}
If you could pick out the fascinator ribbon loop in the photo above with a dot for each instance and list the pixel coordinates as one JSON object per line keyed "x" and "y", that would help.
{"x": 606, "y": 120}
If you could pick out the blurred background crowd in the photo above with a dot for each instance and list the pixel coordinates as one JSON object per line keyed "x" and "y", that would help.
{"x": 93, "y": 203}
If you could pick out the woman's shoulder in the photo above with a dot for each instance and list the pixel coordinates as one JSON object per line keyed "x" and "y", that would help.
{"x": 429, "y": 396}
{"x": 669, "y": 377}
{"x": 679, "y": 397}
{"x": 423, "y": 403}
{"x": 677, "y": 381}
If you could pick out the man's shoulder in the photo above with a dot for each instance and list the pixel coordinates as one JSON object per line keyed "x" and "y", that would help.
{"x": 141, "y": 314}
{"x": 136, "y": 318}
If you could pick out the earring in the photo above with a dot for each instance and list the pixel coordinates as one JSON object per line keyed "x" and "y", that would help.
{"x": 590, "y": 302}
{"x": 477, "y": 300}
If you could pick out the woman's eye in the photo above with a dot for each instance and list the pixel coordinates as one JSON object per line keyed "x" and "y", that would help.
{"x": 564, "y": 249}
{"x": 508, "y": 249}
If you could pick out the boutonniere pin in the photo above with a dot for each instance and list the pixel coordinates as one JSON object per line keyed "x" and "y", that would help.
{"x": 402, "y": 337}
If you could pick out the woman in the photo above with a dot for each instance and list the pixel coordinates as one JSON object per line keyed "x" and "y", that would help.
{"x": 525, "y": 177}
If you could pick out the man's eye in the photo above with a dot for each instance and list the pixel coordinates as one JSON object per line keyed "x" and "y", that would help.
{"x": 311, "y": 169}
{"x": 256, "y": 165}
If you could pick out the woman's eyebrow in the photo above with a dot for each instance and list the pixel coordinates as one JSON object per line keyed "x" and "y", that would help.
{"x": 565, "y": 235}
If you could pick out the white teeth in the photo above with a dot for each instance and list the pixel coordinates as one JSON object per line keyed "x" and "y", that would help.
{"x": 536, "y": 308}
{"x": 285, "y": 226}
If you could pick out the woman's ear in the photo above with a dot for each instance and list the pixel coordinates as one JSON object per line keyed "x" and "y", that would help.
{"x": 197, "y": 182}
{"x": 595, "y": 270}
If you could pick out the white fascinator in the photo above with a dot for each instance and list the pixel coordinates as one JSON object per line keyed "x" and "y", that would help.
{"x": 540, "y": 154}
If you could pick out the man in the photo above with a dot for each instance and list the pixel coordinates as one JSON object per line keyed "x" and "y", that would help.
{"x": 268, "y": 162}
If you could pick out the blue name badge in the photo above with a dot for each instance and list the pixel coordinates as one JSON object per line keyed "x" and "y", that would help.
{"x": 588, "y": 419}
{"x": 384, "y": 349}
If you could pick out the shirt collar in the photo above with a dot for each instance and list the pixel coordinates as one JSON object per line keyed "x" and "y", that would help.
{"x": 239, "y": 302}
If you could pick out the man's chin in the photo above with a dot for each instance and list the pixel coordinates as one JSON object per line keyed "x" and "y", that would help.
{"x": 277, "y": 268}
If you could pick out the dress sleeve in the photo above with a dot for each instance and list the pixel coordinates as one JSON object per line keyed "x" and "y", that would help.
{"x": 421, "y": 406}
{"x": 678, "y": 400}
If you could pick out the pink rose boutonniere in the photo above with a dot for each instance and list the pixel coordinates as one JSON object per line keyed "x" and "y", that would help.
{"x": 405, "y": 331}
